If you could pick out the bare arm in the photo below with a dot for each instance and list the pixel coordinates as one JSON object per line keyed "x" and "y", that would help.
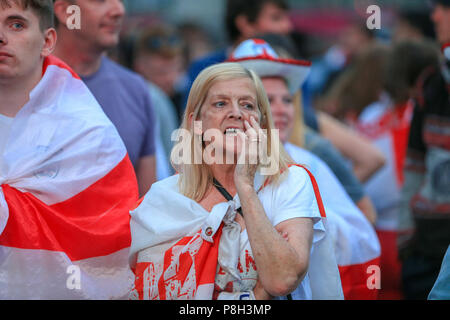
{"x": 367, "y": 208}
{"x": 146, "y": 173}
{"x": 365, "y": 157}
{"x": 282, "y": 264}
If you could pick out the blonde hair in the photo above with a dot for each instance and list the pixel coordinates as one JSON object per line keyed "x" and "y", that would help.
{"x": 194, "y": 178}
{"x": 298, "y": 131}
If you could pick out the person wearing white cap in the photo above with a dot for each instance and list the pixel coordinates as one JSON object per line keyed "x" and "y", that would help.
{"x": 231, "y": 229}
{"x": 356, "y": 244}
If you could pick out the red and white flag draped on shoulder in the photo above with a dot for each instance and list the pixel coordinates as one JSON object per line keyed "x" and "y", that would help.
{"x": 176, "y": 244}
{"x": 67, "y": 186}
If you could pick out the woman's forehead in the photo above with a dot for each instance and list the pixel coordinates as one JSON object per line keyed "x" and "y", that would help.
{"x": 240, "y": 87}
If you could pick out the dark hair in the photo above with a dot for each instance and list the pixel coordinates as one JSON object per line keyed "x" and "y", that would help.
{"x": 42, "y": 8}
{"x": 420, "y": 20}
{"x": 249, "y": 8}
{"x": 406, "y": 62}
{"x": 160, "y": 40}
{"x": 358, "y": 85}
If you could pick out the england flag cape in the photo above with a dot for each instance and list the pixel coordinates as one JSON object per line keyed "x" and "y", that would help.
{"x": 67, "y": 186}
{"x": 356, "y": 245}
{"x": 176, "y": 242}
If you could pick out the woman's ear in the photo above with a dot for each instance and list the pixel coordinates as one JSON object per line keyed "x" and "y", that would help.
{"x": 195, "y": 125}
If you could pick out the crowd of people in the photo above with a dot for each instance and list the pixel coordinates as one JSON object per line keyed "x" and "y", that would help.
{"x": 150, "y": 164}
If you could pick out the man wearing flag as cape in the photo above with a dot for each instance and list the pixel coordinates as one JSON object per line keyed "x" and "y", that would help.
{"x": 66, "y": 182}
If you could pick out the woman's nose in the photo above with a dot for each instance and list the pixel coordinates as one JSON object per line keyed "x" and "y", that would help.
{"x": 235, "y": 111}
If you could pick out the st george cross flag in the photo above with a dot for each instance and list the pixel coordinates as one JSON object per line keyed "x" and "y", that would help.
{"x": 67, "y": 186}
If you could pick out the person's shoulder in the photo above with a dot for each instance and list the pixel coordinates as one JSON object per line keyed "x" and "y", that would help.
{"x": 125, "y": 75}
{"x": 292, "y": 179}
{"x": 301, "y": 155}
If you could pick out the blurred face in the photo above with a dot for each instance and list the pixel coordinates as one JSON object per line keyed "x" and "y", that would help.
{"x": 281, "y": 105}
{"x": 404, "y": 31}
{"x": 162, "y": 71}
{"x": 228, "y": 104}
{"x": 101, "y": 22}
{"x": 441, "y": 19}
{"x": 353, "y": 40}
{"x": 23, "y": 45}
{"x": 273, "y": 19}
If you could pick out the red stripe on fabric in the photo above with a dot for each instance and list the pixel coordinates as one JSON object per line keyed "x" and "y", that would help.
{"x": 303, "y": 63}
{"x": 400, "y": 136}
{"x": 436, "y": 139}
{"x": 429, "y": 208}
{"x": 316, "y": 191}
{"x": 259, "y": 41}
{"x": 390, "y": 265}
{"x": 315, "y": 187}
{"x": 95, "y": 222}
{"x": 54, "y": 61}
{"x": 354, "y": 280}
{"x": 204, "y": 262}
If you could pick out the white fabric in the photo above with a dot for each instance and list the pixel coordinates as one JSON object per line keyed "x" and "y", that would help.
{"x": 5, "y": 125}
{"x": 260, "y": 57}
{"x": 354, "y": 239}
{"x": 54, "y": 104}
{"x": 383, "y": 187}
{"x": 165, "y": 215}
{"x": 60, "y": 143}
{"x": 100, "y": 277}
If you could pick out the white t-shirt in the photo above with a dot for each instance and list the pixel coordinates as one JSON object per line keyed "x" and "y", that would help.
{"x": 5, "y": 127}
{"x": 353, "y": 236}
{"x": 293, "y": 198}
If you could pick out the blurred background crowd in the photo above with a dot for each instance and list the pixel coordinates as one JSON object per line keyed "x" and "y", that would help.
{"x": 357, "y": 103}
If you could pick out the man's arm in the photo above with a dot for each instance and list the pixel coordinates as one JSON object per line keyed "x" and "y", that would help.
{"x": 145, "y": 173}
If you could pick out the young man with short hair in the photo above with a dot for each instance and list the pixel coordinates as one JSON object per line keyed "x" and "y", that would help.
{"x": 122, "y": 94}
{"x": 66, "y": 182}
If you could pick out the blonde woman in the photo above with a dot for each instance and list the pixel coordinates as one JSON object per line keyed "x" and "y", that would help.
{"x": 224, "y": 229}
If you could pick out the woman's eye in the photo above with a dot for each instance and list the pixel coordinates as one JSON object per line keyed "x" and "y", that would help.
{"x": 219, "y": 104}
{"x": 249, "y": 106}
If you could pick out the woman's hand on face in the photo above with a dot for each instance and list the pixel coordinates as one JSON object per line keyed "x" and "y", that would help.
{"x": 248, "y": 157}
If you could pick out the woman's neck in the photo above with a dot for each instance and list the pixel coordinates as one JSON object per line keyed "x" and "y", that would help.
{"x": 224, "y": 173}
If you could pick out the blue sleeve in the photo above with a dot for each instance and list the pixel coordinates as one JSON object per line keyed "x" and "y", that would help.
{"x": 441, "y": 288}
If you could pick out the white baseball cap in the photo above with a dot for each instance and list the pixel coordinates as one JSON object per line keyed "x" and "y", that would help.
{"x": 258, "y": 55}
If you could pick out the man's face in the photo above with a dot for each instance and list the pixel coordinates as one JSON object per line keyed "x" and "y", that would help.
{"x": 161, "y": 70}
{"x": 273, "y": 19}
{"x": 441, "y": 19}
{"x": 22, "y": 43}
{"x": 101, "y": 22}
